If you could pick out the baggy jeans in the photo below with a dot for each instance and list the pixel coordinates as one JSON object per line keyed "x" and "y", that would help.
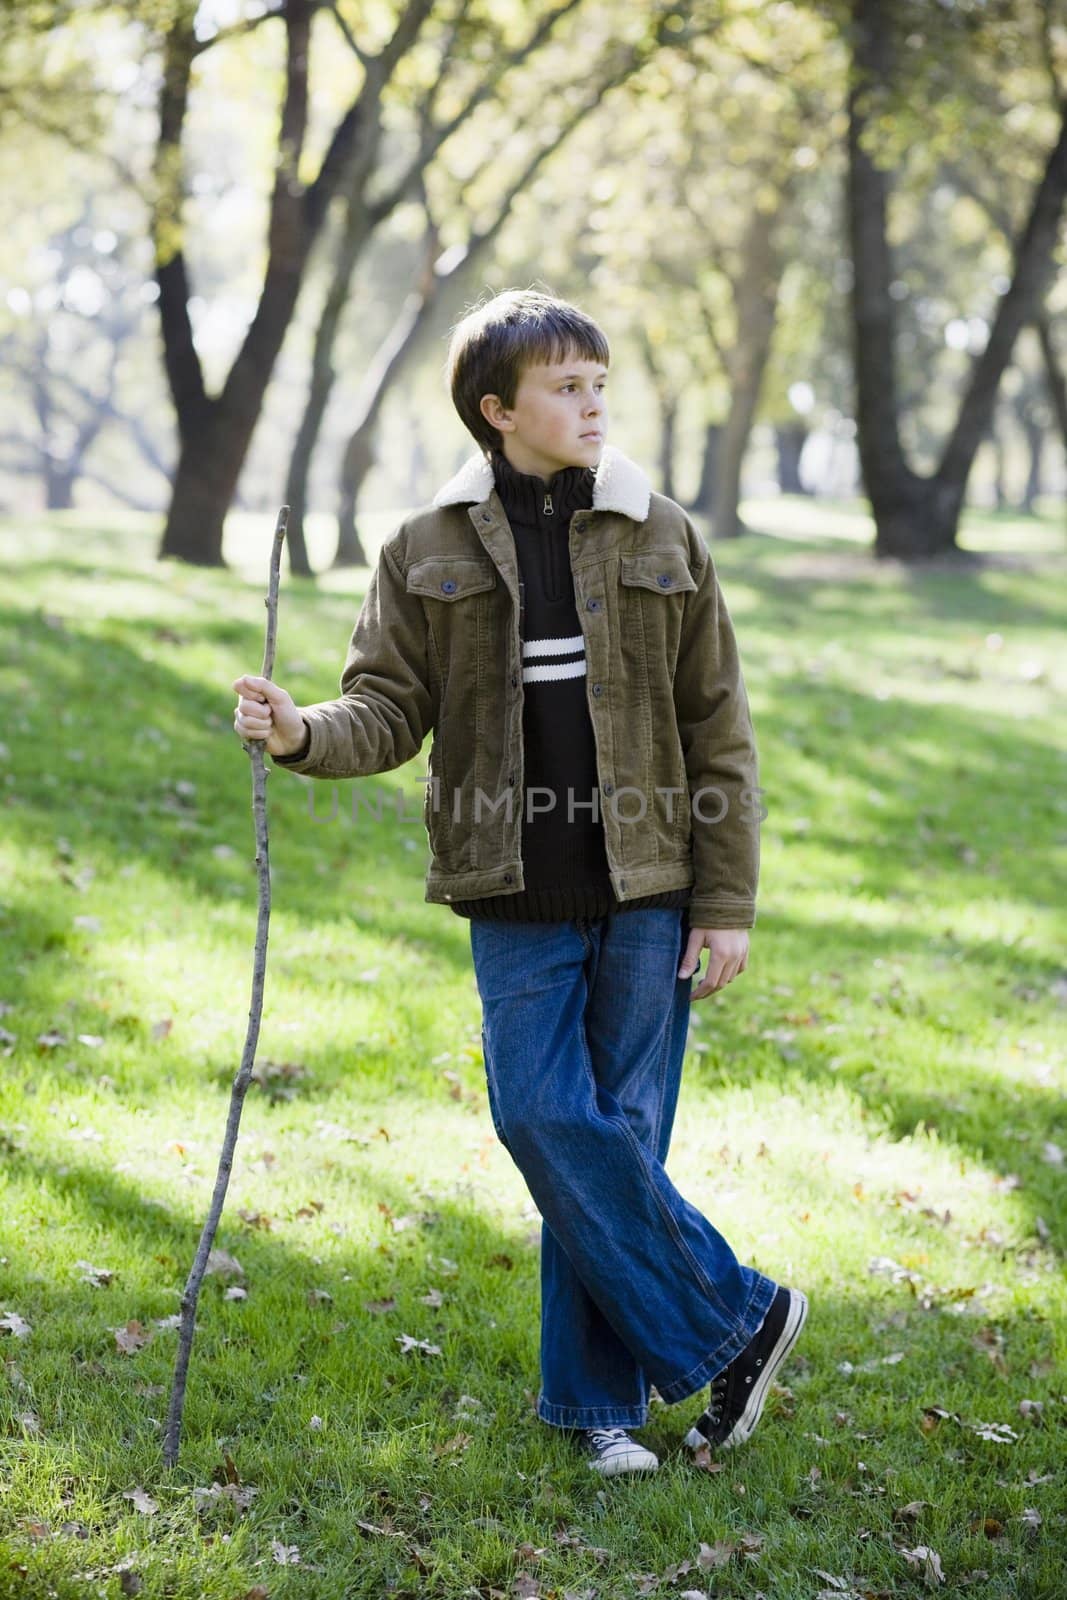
{"x": 583, "y": 1032}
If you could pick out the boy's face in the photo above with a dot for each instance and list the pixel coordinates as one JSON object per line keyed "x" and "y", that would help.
{"x": 559, "y": 418}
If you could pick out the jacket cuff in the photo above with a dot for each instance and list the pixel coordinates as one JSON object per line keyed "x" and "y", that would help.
{"x": 721, "y": 911}
{"x": 299, "y": 756}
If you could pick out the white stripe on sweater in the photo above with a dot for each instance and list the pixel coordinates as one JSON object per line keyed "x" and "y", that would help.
{"x": 551, "y": 647}
{"x": 567, "y": 669}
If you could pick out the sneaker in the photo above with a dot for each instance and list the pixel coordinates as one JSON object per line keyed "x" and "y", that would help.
{"x": 739, "y": 1392}
{"x": 612, "y": 1451}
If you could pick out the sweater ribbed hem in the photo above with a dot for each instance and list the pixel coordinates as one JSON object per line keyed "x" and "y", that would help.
{"x": 561, "y": 905}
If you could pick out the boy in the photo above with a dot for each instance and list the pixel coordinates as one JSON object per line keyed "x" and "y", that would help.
{"x": 560, "y": 629}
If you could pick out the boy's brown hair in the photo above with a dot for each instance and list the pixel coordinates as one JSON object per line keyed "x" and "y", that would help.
{"x": 495, "y": 341}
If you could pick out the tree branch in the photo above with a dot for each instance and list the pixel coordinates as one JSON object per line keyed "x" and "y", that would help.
{"x": 236, "y": 30}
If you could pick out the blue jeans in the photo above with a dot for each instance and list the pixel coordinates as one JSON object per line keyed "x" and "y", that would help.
{"x": 583, "y": 1032}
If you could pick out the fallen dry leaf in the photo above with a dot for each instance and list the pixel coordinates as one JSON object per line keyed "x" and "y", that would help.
{"x": 703, "y": 1460}
{"x": 255, "y": 1219}
{"x": 99, "y": 1277}
{"x": 715, "y": 1555}
{"x": 373, "y": 1527}
{"x": 458, "y": 1441}
{"x": 14, "y": 1324}
{"x": 934, "y": 1416}
{"x": 241, "y": 1494}
{"x": 997, "y": 1432}
{"x": 911, "y": 1512}
{"x": 224, "y": 1264}
{"x": 133, "y": 1337}
{"x": 141, "y": 1501}
{"x": 926, "y": 1562}
{"x": 286, "y": 1555}
{"x": 407, "y": 1343}
{"x": 378, "y": 1308}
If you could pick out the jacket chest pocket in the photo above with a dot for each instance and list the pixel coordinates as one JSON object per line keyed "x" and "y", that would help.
{"x": 451, "y": 578}
{"x": 651, "y": 586}
{"x": 456, "y": 594}
{"x": 664, "y": 572}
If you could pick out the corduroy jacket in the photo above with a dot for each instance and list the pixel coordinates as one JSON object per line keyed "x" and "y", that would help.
{"x": 436, "y": 652}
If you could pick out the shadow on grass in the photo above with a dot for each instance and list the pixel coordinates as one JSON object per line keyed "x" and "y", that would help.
{"x": 835, "y": 583}
{"x": 126, "y": 799}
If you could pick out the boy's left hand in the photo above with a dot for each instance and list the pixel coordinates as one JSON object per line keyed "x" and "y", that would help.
{"x": 727, "y": 956}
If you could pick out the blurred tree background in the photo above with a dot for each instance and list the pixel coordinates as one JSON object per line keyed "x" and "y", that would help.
{"x": 825, "y": 240}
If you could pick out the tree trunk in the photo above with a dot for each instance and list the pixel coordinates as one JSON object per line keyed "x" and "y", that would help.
{"x": 1054, "y": 375}
{"x": 704, "y": 500}
{"x": 755, "y": 298}
{"x": 357, "y": 462}
{"x": 667, "y": 442}
{"x": 59, "y": 479}
{"x": 1035, "y": 446}
{"x": 1000, "y": 481}
{"x": 790, "y": 439}
{"x": 894, "y": 491}
{"x": 209, "y": 463}
{"x": 215, "y": 432}
{"x": 358, "y": 227}
{"x": 918, "y": 517}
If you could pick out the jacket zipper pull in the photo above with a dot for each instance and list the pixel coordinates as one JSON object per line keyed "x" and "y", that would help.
{"x": 547, "y": 509}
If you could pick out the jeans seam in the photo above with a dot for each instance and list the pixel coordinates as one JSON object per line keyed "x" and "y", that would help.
{"x": 703, "y": 1281}
{"x": 672, "y": 1227}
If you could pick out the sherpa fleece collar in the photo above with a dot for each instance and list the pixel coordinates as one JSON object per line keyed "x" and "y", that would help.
{"x": 619, "y": 485}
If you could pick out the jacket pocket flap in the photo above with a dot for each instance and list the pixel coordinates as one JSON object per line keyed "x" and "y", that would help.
{"x": 665, "y": 571}
{"x": 450, "y": 577}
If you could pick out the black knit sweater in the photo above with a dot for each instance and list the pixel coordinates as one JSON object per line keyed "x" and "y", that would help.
{"x": 564, "y": 859}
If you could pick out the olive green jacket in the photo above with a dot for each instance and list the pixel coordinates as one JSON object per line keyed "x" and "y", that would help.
{"x": 436, "y": 649}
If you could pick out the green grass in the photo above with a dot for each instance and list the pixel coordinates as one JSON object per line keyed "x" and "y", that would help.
{"x": 873, "y": 1112}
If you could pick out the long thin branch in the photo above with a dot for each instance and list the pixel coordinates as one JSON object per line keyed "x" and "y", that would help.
{"x": 237, "y": 29}
{"x": 244, "y": 1076}
{"x": 433, "y": 135}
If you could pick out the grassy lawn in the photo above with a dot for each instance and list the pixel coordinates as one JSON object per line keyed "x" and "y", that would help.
{"x": 873, "y": 1112}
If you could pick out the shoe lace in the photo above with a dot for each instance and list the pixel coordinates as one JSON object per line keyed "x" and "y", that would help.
{"x": 601, "y": 1438}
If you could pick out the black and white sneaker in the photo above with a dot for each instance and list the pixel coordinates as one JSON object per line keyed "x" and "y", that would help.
{"x": 739, "y": 1392}
{"x": 612, "y": 1452}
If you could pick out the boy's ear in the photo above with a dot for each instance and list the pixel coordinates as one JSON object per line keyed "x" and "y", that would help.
{"x": 494, "y": 413}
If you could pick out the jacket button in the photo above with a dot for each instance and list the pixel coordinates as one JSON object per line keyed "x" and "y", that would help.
{"x": 449, "y": 586}
{"x": 514, "y": 680}
{"x": 598, "y": 688}
{"x": 508, "y": 878}
{"x": 511, "y": 779}
{"x": 609, "y": 788}
{"x": 622, "y": 883}
{"x": 487, "y": 516}
{"x": 592, "y": 605}
{"x": 664, "y": 580}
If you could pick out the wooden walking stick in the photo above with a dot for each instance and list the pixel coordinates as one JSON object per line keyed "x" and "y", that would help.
{"x": 241, "y": 1081}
